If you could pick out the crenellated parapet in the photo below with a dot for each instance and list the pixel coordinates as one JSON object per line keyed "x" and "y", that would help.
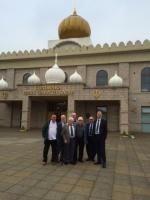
{"x": 105, "y": 48}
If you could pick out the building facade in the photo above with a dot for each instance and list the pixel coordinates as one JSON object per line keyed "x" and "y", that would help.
{"x": 125, "y": 105}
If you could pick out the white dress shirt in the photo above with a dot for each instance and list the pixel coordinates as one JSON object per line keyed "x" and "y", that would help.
{"x": 52, "y": 131}
{"x": 98, "y": 121}
{"x": 72, "y": 136}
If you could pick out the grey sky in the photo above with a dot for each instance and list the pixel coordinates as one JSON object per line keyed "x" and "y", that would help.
{"x": 29, "y": 24}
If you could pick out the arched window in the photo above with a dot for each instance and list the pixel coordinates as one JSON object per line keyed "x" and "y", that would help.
{"x": 25, "y": 78}
{"x": 101, "y": 78}
{"x": 145, "y": 79}
{"x": 66, "y": 77}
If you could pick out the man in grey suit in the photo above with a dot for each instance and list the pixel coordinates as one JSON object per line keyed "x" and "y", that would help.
{"x": 69, "y": 139}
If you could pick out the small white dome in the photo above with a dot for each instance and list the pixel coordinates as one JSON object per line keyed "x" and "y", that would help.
{"x": 75, "y": 78}
{"x": 3, "y": 84}
{"x": 55, "y": 74}
{"x": 34, "y": 79}
{"x": 116, "y": 81}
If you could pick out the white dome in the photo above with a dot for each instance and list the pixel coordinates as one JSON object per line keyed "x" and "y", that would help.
{"x": 55, "y": 74}
{"x": 75, "y": 78}
{"x": 116, "y": 81}
{"x": 3, "y": 84}
{"x": 34, "y": 79}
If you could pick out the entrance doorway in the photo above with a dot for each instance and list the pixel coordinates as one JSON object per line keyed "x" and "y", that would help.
{"x": 43, "y": 107}
{"x": 57, "y": 107}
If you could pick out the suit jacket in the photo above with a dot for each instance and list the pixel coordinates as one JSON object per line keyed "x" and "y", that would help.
{"x": 87, "y": 131}
{"x": 45, "y": 129}
{"x": 65, "y": 133}
{"x": 102, "y": 128}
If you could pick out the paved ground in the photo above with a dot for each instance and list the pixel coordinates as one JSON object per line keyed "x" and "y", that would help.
{"x": 22, "y": 177}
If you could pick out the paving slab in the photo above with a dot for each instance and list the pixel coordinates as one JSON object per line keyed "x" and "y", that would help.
{"x": 22, "y": 176}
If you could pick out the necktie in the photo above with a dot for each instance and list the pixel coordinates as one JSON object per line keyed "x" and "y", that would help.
{"x": 97, "y": 128}
{"x": 71, "y": 131}
{"x": 90, "y": 130}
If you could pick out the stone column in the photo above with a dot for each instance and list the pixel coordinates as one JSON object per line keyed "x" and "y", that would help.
{"x": 124, "y": 73}
{"x": 10, "y": 76}
{"x": 124, "y": 124}
{"x": 26, "y": 113}
{"x": 71, "y": 105}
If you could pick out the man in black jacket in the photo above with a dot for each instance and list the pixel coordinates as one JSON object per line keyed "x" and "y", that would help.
{"x": 100, "y": 130}
{"x": 60, "y": 142}
{"x": 50, "y": 135}
{"x": 90, "y": 142}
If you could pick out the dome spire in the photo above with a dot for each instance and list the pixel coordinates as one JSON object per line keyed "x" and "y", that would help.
{"x": 74, "y": 8}
{"x": 56, "y": 58}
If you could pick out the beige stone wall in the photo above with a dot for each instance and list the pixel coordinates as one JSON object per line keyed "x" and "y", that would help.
{"x": 137, "y": 98}
{"x": 38, "y": 114}
{"x": 128, "y": 64}
{"x": 92, "y": 71}
{"x": 5, "y": 114}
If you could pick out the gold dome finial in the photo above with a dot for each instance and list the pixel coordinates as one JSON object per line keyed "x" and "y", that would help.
{"x": 74, "y": 26}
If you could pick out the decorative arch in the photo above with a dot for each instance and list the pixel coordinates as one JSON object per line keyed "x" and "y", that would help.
{"x": 67, "y": 43}
{"x": 66, "y": 77}
{"x": 145, "y": 79}
{"x": 101, "y": 78}
{"x": 25, "y": 78}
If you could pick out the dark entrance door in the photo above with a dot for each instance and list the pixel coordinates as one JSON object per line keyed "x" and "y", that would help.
{"x": 57, "y": 107}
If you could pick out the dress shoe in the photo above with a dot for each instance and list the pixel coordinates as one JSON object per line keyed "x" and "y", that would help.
{"x": 97, "y": 163}
{"x": 65, "y": 163}
{"x": 44, "y": 163}
{"x": 80, "y": 160}
{"x": 104, "y": 165}
{"x": 87, "y": 159}
{"x": 73, "y": 163}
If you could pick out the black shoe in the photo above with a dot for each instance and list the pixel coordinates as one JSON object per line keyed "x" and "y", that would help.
{"x": 44, "y": 163}
{"x": 87, "y": 159}
{"x": 65, "y": 163}
{"x": 80, "y": 160}
{"x": 97, "y": 163}
{"x": 73, "y": 163}
{"x": 104, "y": 165}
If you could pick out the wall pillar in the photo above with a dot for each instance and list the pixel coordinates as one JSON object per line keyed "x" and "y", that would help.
{"x": 10, "y": 77}
{"x": 124, "y": 124}
{"x": 26, "y": 113}
{"x": 71, "y": 106}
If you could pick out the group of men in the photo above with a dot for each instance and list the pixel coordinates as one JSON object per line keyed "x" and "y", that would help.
{"x": 67, "y": 139}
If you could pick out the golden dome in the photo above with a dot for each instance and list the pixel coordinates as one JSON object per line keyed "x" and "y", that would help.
{"x": 74, "y": 26}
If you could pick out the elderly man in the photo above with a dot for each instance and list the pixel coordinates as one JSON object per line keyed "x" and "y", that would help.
{"x": 80, "y": 140}
{"x": 74, "y": 116}
{"x": 89, "y": 133}
{"x": 50, "y": 134}
{"x": 69, "y": 140}
{"x": 100, "y": 130}
{"x": 61, "y": 124}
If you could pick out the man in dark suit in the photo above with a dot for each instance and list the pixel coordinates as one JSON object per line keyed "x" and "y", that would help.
{"x": 89, "y": 138}
{"x": 50, "y": 135}
{"x": 69, "y": 139}
{"x": 60, "y": 142}
{"x": 80, "y": 140}
{"x": 100, "y": 130}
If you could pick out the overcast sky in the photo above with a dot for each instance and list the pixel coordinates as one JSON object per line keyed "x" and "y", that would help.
{"x": 29, "y": 24}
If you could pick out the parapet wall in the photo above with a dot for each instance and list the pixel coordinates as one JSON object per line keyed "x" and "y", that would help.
{"x": 106, "y": 48}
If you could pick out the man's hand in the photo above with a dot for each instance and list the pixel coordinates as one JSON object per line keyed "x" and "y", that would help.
{"x": 65, "y": 141}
